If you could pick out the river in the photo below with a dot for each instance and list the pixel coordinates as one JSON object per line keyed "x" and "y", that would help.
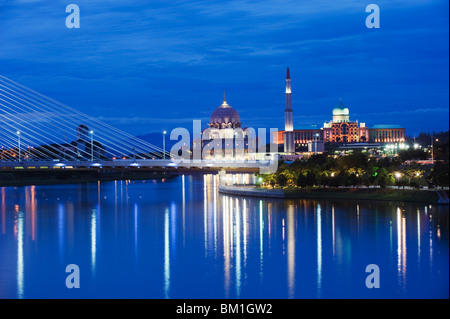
{"x": 180, "y": 238}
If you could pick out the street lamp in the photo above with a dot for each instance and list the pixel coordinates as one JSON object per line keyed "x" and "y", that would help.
{"x": 397, "y": 176}
{"x": 92, "y": 145}
{"x": 315, "y": 142}
{"x": 164, "y": 144}
{"x": 18, "y": 136}
{"x": 432, "y": 149}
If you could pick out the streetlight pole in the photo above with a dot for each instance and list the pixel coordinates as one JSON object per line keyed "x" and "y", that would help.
{"x": 315, "y": 142}
{"x": 164, "y": 144}
{"x": 92, "y": 146}
{"x": 18, "y": 136}
{"x": 397, "y": 177}
{"x": 432, "y": 149}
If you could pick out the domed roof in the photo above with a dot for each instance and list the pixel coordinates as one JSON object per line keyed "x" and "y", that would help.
{"x": 341, "y": 109}
{"x": 225, "y": 114}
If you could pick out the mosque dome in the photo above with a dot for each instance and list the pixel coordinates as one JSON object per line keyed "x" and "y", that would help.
{"x": 225, "y": 116}
{"x": 340, "y": 109}
{"x": 341, "y": 113}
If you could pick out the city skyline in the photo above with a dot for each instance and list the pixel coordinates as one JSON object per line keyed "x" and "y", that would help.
{"x": 170, "y": 63}
{"x": 158, "y": 150}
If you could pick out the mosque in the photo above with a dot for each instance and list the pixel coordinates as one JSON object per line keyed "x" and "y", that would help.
{"x": 339, "y": 130}
{"x": 225, "y": 138}
{"x": 225, "y": 130}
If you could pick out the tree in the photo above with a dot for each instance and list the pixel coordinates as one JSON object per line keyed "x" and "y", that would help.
{"x": 318, "y": 159}
{"x": 439, "y": 175}
{"x": 412, "y": 154}
{"x": 352, "y": 180}
{"x": 383, "y": 178}
{"x": 301, "y": 180}
{"x": 281, "y": 180}
{"x": 310, "y": 179}
{"x": 290, "y": 174}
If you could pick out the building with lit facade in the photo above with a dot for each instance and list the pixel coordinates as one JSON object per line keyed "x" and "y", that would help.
{"x": 339, "y": 130}
{"x": 387, "y": 134}
{"x": 224, "y": 135}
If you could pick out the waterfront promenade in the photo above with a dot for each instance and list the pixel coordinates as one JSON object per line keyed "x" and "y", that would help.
{"x": 363, "y": 193}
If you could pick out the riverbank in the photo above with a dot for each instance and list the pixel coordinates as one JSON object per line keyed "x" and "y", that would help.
{"x": 404, "y": 195}
{"x": 24, "y": 178}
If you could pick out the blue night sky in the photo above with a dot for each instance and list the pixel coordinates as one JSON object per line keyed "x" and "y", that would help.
{"x": 145, "y": 66}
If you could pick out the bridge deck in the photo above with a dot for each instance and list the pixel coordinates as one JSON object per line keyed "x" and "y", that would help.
{"x": 132, "y": 164}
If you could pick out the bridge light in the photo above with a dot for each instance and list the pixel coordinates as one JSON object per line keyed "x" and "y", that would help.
{"x": 164, "y": 144}
{"x": 92, "y": 145}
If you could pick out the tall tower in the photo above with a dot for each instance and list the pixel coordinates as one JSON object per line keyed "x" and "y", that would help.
{"x": 289, "y": 145}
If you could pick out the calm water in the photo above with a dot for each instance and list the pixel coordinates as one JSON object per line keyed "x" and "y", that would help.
{"x": 181, "y": 239}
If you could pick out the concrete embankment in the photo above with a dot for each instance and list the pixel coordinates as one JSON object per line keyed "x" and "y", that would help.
{"x": 50, "y": 177}
{"x": 404, "y": 195}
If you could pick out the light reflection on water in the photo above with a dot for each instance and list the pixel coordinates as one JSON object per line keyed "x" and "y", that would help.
{"x": 180, "y": 238}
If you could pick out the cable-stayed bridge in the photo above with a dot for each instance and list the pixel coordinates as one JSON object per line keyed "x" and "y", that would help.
{"x": 37, "y": 132}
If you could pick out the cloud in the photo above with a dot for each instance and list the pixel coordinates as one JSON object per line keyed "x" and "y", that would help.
{"x": 150, "y": 120}
{"x": 169, "y": 61}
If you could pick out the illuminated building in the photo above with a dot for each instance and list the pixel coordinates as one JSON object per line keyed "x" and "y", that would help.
{"x": 289, "y": 143}
{"x": 224, "y": 134}
{"x": 387, "y": 134}
{"x": 339, "y": 130}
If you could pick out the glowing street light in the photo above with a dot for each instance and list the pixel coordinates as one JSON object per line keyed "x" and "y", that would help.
{"x": 397, "y": 176}
{"x": 164, "y": 144}
{"x": 18, "y": 136}
{"x": 315, "y": 142}
{"x": 432, "y": 149}
{"x": 92, "y": 145}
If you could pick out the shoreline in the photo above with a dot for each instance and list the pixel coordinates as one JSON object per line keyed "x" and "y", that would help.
{"x": 402, "y": 195}
{"x": 20, "y": 179}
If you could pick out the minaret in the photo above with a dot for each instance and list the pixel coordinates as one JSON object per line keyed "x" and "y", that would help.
{"x": 289, "y": 146}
